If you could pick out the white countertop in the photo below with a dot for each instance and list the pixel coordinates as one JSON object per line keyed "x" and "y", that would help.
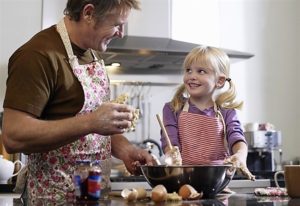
{"x": 13, "y": 195}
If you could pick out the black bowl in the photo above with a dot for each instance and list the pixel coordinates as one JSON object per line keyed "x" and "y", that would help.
{"x": 209, "y": 179}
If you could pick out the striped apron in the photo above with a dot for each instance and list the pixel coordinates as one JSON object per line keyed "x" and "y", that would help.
{"x": 202, "y": 138}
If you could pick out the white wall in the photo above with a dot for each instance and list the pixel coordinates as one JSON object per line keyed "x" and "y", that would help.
{"x": 52, "y": 12}
{"x": 270, "y": 30}
{"x": 19, "y": 20}
{"x": 267, "y": 82}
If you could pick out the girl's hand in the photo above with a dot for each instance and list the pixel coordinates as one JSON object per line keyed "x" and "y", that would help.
{"x": 237, "y": 162}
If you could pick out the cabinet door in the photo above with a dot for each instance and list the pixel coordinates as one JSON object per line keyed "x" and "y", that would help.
{"x": 154, "y": 19}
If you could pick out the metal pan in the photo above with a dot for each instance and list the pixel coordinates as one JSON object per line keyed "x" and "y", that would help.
{"x": 209, "y": 179}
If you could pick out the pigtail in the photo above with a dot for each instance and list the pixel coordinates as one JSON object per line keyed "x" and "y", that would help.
{"x": 178, "y": 99}
{"x": 227, "y": 98}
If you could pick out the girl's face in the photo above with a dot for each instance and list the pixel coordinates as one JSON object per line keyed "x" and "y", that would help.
{"x": 200, "y": 81}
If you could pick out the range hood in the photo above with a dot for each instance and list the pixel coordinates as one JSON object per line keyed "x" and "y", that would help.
{"x": 152, "y": 55}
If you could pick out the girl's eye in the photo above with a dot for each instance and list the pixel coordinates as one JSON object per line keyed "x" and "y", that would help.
{"x": 201, "y": 71}
{"x": 188, "y": 70}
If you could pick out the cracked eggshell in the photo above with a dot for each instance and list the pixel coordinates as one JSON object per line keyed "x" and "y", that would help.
{"x": 129, "y": 195}
{"x": 188, "y": 192}
{"x": 159, "y": 193}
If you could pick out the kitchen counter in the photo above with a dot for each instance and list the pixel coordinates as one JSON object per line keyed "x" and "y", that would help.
{"x": 244, "y": 196}
{"x": 220, "y": 200}
{"x": 238, "y": 186}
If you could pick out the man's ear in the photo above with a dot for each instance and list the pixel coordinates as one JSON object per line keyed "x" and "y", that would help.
{"x": 88, "y": 12}
{"x": 221, "y": 81}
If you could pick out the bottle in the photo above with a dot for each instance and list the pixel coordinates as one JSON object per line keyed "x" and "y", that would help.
{"x": 94, "y": 181}
{"x": 80, "y": 179}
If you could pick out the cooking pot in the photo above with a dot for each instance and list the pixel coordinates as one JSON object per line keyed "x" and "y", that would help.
{"x": 209, "y": 179}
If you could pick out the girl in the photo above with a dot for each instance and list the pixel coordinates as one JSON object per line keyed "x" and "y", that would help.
{"x": 201, "y": 119}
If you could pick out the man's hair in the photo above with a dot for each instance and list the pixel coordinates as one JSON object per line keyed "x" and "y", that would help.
{"x": 102, "y": 7}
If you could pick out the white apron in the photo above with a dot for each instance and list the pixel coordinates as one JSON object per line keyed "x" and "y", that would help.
{"x": 202, "y": 138}
{"x": 51, "y": 173}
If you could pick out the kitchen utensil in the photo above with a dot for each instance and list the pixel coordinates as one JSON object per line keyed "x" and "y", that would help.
{"x": 162, "y": 126}
{"x": 209, "y": 179}
{"x": 173, "y": 156}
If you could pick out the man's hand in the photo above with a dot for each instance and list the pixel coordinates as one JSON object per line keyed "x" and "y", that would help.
{"x": 136, "y": 158}
{"x": 122, "y": 99}
{"x": 131, "y": 155}
{"x": 112, "y": 118}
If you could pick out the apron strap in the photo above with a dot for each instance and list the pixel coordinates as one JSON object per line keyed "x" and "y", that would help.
{"x": 220, "y": 116}
{"x": 186, "y": 106}
{"x": 94, "y": 55}
{"x": 62, "y": 30}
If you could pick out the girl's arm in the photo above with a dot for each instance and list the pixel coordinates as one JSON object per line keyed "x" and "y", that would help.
{"x": 171, "y": 125}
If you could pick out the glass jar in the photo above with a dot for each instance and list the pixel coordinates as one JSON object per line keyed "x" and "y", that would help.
{"x": 80, "y": 179}
{"x": 105, "y": 183}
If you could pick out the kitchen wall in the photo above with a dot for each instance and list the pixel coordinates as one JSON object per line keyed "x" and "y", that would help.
{"x": 19, "y": 20}
{"x": 267, "y": 28}
{"x": 270, "y": 30}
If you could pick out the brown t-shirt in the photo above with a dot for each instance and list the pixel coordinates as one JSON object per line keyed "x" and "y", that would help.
{"x": 40, "y": 79}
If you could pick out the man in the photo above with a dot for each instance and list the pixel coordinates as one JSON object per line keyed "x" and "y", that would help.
{"x": 57, "y": 108}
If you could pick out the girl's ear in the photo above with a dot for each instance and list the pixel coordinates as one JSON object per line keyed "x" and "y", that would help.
{"x": 221, "y": 81}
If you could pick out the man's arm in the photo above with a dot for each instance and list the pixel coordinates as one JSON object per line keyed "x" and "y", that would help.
{"x": 23, "y": 132}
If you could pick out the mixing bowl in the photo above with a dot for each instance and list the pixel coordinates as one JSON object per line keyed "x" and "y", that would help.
{"x": 209, "y": 179}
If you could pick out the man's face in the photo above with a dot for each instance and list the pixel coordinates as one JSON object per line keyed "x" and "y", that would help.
{"x": 102, "y": 32}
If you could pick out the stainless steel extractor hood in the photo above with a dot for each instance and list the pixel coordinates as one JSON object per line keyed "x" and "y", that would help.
{"x": 152, "y": 55}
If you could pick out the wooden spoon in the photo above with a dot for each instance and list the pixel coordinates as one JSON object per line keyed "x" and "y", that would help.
{"x": 162, "y": 126}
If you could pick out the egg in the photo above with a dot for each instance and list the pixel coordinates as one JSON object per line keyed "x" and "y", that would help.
{"x": 141, "y": 193}
{"x": 187, "y": 192}
{"x": 159, "y": 193}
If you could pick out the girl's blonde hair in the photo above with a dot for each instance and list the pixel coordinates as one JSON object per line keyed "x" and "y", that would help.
{"x": 217, "y": 60}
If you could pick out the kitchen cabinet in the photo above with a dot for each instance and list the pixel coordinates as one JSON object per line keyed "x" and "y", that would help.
{"x": 153, "y": 20}
{"x": 195, "y": 21}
